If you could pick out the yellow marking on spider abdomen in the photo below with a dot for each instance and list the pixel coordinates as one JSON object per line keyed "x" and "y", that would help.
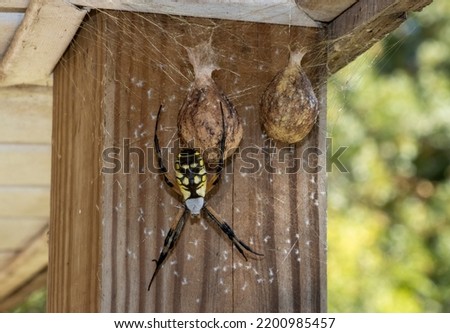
{"x": 191, "y": 174}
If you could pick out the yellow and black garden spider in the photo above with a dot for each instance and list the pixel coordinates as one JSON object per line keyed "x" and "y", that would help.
{"x": 192, "y": 185}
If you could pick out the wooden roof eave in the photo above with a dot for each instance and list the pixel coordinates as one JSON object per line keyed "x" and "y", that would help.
{"x": 362, "y": 25}
{"x": 33, "y": 52}
{"x": 353, "y": 26}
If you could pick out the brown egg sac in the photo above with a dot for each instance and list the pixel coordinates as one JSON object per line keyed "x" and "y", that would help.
{"x": 200, "y": 118}
{"x": 289, "y": 107}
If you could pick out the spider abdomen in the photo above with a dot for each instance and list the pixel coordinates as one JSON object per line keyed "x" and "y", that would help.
{"x": 190, "y": 173}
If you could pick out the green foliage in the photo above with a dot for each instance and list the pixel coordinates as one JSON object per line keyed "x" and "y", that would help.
{"x": 36, "y": 302}
{"x": 389, "y": 230}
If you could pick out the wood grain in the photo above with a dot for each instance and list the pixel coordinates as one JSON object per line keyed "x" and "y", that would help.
{"x": 24, "y": 201}
{"x": 33, "y": 44}
{"x": 20, "y": 295}
{"x": 107, "y": 228}
{"x": 27, "y": 165}
{"x": 8, "y": 26}
{"x": 28, "y": 262}
{"x": 76, "y": 209}
{"x": 324, "y": 10}
{"x": 14, "y": 4}
{"x": 271, "y": 11}
{"x": 26, "y": 115}
{"x": 16, "y": 232}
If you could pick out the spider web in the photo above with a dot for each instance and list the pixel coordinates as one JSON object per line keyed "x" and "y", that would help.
{"x": 143, "y": 212}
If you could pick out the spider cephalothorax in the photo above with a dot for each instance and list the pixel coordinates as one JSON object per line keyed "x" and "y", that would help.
{"x": 192, "y": 184}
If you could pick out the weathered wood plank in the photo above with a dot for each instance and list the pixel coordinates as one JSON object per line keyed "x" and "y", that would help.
{"x": 76, "y": 206}
{"x": 26, "y": 264}
{"x": 272, "y": 204}
{"x": 15, "y": 233}
{"x": 324, "y": 10}
{"x": 109, "y": 227}
{"x": 26, "y": 115}
{"x": 364, "y": 24}
{"x": 10, "y": 5}
{"x": 5, "y": 257}
{"x": 24, "y": 201}
{"x": 9, "y": 22}
{"x": 264, "y": 11}
{"x": 27, "y": 165}
{"x": 32, "y": 44}
{"x": 19, "y": 296}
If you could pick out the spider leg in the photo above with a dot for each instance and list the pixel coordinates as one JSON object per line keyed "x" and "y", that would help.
{"x": 169, "y": 242}
{"x": 170, "y": 181}
{"x": 229, "y": 232}
{"x": 218, "y": 172}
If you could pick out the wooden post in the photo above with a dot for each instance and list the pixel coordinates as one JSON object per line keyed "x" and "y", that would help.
{"x": 107, "y": 227}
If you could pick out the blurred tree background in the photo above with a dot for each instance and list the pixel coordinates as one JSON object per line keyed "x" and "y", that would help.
{"x": 388, "y": 218}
